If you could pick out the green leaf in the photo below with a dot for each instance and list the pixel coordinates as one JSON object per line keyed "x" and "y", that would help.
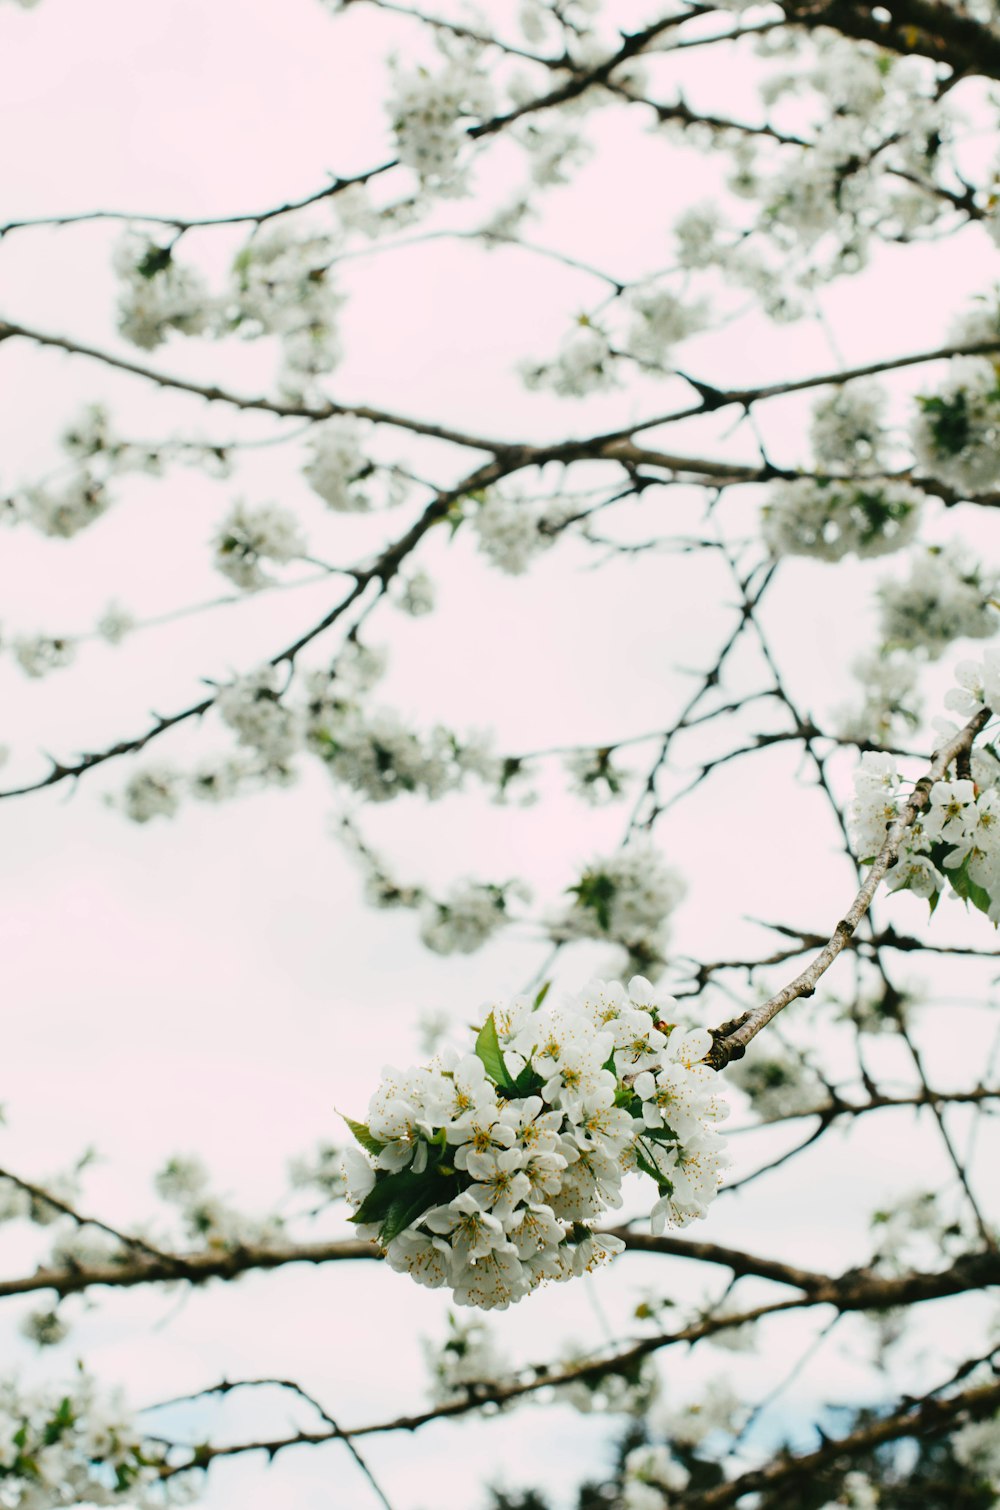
{"x": 361, "y": 1132}
{"x": 968, "y": 889}
{"x": 397, "y": 1200}
{"x": 542, "y": 995}
{"x": 387, "y": 1189}
{"x": 405, "y": 1210}
{"x": 60, "y": 1422}
{"x": 488, "y": 1050}
{"x": 155, "y": 260}
{"x": 526, "y": 1084}
{"x": 596, "y": 891}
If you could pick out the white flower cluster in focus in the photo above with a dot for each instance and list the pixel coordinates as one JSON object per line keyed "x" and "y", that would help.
{"x": 484, "y": 1173}
{"x": 830, "y": 518}
{"x": 626, "y": 899}
{"x": 956, "y": 434}
{"x": 73, "y": 1444}
{"x": 955, "y": 839}
{"x": 947, "y": 596}
{"x": 249, "y": 536}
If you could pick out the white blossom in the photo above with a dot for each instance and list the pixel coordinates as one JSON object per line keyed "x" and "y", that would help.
{"x": 282, "y": 285}
{"x": 338, "y": 466}
{"x": 594, "y": 776}
{"x": 847, "y": 431}
{"x": 651, "y": 1473}
{"x": 778, "y": 1082}
{"x": 38, "y": 654}
{"x": 947, "y": 596}
{"x": 154, "y": 792}
{"x": 157, "y": 293}
{"x": 718, "y": 1409}
{"x": 250, "y": 536}
{"x": 956, "y": 432}
{"x": 254, "y": 708}
{"x": 830, "y": 519}
{"x": 502, "y": 1177}
{"x": 510, "y": 530}
{"x": 890, "y": 705}
{"x": 468, "y": 916}
{"x": 977, "y": 1447}
{"x": 417, "y": 595}
{"x": 585, "y": 364}
{"x": 428, "y": 112}
{"x": 468, "y": 1356}
{"x": 64, "y": 513}
{"x": 626, "y": 898}
{"x": 660, "y": 321}
{"x": 72, "y": 1443}
{"x": 115, "y": 623}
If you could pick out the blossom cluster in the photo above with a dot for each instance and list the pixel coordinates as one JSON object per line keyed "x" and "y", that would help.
{"x": 282, "y": 285}
{"x": 277, "y": 718}
{"x": 889, "y": 706}
{"x": 625, "y": 898}
{"x": 207, "y": 1218}
{"x": 956, "y": 434}
{"x": 511, "y": 531}
{"x": 467, "y": 1357}
{"x": 249, "y": 536}
{"x": 157, "y": 293}
{"x": 946, "y": 596}
{"x": 73, "y": 1444}
{"x": 427, "y": 111}
{"x": 830, "y": 518}
{"x": 589, "y": 356}
{"x": 594, "y": 775}
{"x": 470, "y": 914}
{"x": 954, "y": 841}
{"x": 337, "y": 463}
{"x": 779, "y": 1083}
{"x": 485, "y": 1172}
{"x": 847, "y": 431}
